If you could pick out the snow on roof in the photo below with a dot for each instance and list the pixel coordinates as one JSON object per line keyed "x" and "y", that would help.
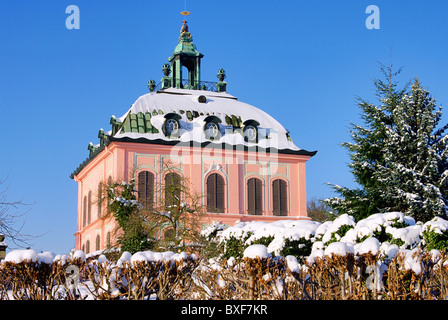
{"x": 145, "y": 120}
{"x": 219, "y": 104}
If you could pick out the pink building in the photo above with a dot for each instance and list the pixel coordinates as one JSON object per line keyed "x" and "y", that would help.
{"x": 240, "y": 158}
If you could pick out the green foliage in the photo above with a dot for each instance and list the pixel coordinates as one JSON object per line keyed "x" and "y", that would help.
{"x": 340, "y": 233}
{"x": 396, "y": 241}
{"x": 264, "y": 240}
{"x": 125, "y": 209}
{"x": 299, "y": 248}
{"x": 384, "y": 236}
{"x": 123, "y": 203}
{"x": 234, "y": 246}
{"x": 212, "y": 248}
{"x": 135, "y": 238}
{"x": 434, "y": 240}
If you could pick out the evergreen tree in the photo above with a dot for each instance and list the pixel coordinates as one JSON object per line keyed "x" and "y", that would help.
{"x": 399, "y": 158}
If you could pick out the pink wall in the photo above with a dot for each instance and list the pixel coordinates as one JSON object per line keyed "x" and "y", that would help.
{"x": 119, "y": 159}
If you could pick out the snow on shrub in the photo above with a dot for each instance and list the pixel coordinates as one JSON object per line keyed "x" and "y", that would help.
{"x": 256, "y": 251}
{"x": 380, "y": 226}
{"x": 381, "y": 233}
{"x": 29, "y": 255}
{"x": 26, "y": 274}
{"x": 435, "y": 234}
{"x": 339, "y": 249}
{"x": 285, "y": 237}
{"x": 293, "y": 264}
{"x": 391, "y": 228}
{"x": 79, "y": 254}
{"x": 211, "y": 231}
{"x": 333, "y": 231}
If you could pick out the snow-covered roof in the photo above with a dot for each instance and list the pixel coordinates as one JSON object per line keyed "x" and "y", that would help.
{"x": 192, "y": 115}
{"x": 217, "y": 103}
{"x": 145, "y": 120}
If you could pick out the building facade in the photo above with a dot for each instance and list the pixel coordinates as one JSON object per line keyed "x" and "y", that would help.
{"x": 240, "y": 158}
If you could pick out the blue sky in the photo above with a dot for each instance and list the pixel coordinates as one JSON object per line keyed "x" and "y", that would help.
{"x": 303, "y": 62}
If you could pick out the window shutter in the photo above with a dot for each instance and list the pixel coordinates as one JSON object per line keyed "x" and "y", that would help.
{"x": 258, "y": 197}
{"x": 84, "y": 211}
{"x": 211, "y": 193}
{"x": 276, "y": 197}
{"x": 146, "y": 189}
{"x": 97, "y": 243}
{"x": 220, "y": 186}
{"x": 141, "y": 187}
{"x": 251, "y": 196}
{"x": 89, "y": 208}
{"x": 150, "y": 180}
{"x": 100, "y": 198}
{"x": 254, "y": 196}
{"x": 279, "y": 198}
{"x": 109, "y": 184}
{"x": 215, "y": 193}
{"x": 283, "y": 203}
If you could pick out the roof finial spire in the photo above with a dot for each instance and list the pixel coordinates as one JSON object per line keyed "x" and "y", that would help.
{"x": 184, "y": 27}
{"x": 185, "y": 13}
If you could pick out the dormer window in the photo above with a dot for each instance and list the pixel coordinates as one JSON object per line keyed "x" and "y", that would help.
{"x": 211, "y": 127}
{"x": 250, "y": 130}
{"x": 171, "y": 126}
{"x": 211, "y": 130}
{"x": 250, "y": 133}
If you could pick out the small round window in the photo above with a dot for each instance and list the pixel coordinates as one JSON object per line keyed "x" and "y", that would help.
{"x": 171, "y": 127}
{"x": 211, "y": 130}
{"x": 250, "y": 132}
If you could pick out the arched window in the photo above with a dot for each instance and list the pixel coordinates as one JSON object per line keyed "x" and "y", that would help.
{"x": 89, "y": 208}
{"x": 97, "y": 243}
{"x": 87, "y": 247}
{"x": 100, "y": 198}
{"x": 146, "y": 189}
{"x": 172, "y": 189}
{"x": 109, "y": 184}
{"x": 108, "y": 243}
{"x": 254, "y": 196}
{"x": 84, "y": 211}
{"x": 279, "y": 194}
{"x": 215, "y": 193}
{"x": 169, "y": 234}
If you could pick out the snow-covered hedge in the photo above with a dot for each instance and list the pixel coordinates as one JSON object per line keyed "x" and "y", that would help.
{"x": 380, "y": 232}
{"x": 26, "y": 274}
{"x": 385, "y": 256}
{"x": 283, "y": 238}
